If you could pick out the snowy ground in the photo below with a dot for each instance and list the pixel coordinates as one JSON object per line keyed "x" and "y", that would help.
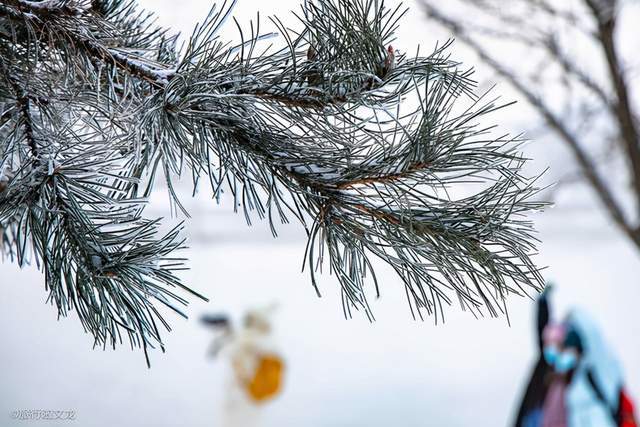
{"x": 339, "y": 373}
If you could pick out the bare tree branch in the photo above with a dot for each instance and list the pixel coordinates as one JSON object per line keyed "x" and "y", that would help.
{"x": 606, "y": 20}
{"x": 587, "y": 166}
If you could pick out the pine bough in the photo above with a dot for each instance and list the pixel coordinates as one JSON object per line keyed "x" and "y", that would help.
{"x": 371, "y": 150}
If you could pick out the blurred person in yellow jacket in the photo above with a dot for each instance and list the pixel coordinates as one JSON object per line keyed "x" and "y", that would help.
{"x": 257, "y": 366}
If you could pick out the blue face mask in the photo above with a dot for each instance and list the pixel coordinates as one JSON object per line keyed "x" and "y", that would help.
{"x": 566, "y": 361}
{"x": 550, "y": 353}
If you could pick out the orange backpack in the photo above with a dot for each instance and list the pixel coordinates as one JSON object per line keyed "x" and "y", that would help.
{"x": 267, "y": 379}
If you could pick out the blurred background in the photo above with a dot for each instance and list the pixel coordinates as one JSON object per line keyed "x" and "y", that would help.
{"x": 396, "y": 371}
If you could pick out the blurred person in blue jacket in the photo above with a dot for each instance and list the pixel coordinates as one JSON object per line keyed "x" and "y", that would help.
{"x": 577, "y": 381}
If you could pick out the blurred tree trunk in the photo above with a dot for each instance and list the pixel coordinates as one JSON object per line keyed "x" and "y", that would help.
{"x": 552, "y": 33}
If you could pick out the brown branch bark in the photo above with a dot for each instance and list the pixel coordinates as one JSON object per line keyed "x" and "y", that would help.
{"x": 39, "y": 16}
{"x": 381, "y": 179}
{"x": 39, "y": 19}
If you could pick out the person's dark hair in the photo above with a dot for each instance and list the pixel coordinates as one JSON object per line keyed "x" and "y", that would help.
{"x": 573, "y": 340}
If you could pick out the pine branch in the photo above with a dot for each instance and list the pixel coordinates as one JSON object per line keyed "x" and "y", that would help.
{"x": 375, "y": 152}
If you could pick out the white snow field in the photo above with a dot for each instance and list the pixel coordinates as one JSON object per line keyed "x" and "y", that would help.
{"x": 340, "y": 372}
{"x": 394, "y": 372}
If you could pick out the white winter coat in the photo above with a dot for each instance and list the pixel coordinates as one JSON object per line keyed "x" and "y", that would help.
{"x": 584, "y": 408}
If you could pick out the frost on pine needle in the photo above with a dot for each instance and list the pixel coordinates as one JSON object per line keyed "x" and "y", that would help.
{"x": 379, "y": 154}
